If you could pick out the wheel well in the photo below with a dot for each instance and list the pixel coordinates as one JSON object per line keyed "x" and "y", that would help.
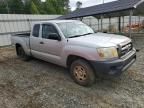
{"x": 72, "y": 58}
{"x": 17, "y": 46}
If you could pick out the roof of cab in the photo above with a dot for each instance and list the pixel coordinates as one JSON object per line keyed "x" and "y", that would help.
{"x": 53, "y": 21}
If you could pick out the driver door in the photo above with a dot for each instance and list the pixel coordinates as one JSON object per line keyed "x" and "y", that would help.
{"x": 50, "y": 48}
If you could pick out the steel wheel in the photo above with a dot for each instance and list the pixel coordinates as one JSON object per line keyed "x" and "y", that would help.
{"x": 80, "y": 73}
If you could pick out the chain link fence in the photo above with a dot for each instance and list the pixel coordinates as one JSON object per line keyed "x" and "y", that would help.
{"x": 112, "y": 25}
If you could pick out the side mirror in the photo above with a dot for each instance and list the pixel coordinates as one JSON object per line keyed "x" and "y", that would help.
{"x": 54, "y": 36}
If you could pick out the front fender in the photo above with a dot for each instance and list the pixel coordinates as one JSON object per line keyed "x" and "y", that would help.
{"x": 87, "y": 53}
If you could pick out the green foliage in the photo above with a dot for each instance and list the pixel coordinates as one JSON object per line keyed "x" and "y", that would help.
{"x": 56, "y": 6}
{"x": 35, "y": 7}
{"x": 78, "y": 5}
{"x": 3, "y": 8}
{"x": 15, "y": 6}
{"x": 67, "y": 8}
{"x": 27, "y": 7}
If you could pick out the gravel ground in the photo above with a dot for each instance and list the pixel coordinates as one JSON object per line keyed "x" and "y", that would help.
{"x": 38, "y": 84}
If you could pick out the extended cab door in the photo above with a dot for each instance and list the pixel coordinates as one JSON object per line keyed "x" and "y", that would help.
{"x": 51, "y": 46}
{"x": 35, "y": 40}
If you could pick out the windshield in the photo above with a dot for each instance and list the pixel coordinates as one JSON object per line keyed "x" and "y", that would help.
{"x": 74, "y": 29}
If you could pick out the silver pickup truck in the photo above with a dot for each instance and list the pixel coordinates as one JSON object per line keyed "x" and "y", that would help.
{"x": 74, "y": 45}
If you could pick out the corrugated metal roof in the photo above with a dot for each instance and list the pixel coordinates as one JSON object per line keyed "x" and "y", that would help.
{"x": 114, "y": 6}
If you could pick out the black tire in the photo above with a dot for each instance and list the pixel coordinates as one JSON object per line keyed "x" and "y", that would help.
{"x": 88, "y": 76}
{"x": 22, "y": 55}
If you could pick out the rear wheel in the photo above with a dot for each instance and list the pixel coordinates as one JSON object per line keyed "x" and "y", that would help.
{"x": 21, "y": 54}
{"x": 82, "y": 73}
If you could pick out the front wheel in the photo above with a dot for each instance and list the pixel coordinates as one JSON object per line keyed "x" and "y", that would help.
{"x": 82, "y": 73}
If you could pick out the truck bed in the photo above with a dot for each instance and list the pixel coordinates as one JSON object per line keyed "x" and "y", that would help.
{"x": 22, "y": 34}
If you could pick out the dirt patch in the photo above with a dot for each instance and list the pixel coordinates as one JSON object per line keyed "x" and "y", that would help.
{"x": 38, "y": 84}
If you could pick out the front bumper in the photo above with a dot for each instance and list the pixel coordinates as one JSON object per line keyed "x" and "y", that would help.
{"x": 115, "y": 67}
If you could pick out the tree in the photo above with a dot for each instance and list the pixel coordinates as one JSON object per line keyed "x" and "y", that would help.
{"x": 56, "y": 6}
{"x": 32, "y": 6}
{"x": 35, "y": 6}
{"x": 34, "y": 9}
{"x": 27, "y": 7}
{"x": 49, "y": 8}
{"x": 67, "y": 6}
{"x": 3, "y": 8}
{"x": 37, "y": 3}
{"x": 78, "y": 5}
{"x": 16, "y": 6}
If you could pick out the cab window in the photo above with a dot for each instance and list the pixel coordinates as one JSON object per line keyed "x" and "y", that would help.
{"x": 48, "y": 29}
{"x": 36, "y": 30}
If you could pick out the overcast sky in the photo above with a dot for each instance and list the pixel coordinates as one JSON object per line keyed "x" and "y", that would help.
{"x": 87, "y": 3}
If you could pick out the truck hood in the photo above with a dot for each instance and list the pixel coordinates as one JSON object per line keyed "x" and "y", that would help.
{"x": 99, "y": 40}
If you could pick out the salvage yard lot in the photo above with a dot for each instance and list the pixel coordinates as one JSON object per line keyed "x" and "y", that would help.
{"x": 38, "y": 84}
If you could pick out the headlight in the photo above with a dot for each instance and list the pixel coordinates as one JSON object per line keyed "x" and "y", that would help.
{"x": 107, "y": 53}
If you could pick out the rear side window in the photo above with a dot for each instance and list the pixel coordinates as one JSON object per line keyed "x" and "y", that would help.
{"x": 36, "y": 29}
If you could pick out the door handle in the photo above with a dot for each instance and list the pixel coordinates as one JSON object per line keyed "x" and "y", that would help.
{"x": 41, "y": 42}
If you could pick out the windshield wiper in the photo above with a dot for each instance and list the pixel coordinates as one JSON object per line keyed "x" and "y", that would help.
{"x": 80, "y": 35}
{"x": 88, "y": 34}
{"x": 75, "y": 36}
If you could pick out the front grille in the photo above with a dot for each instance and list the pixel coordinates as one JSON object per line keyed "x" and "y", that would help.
{"x": 123, "y": 50}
